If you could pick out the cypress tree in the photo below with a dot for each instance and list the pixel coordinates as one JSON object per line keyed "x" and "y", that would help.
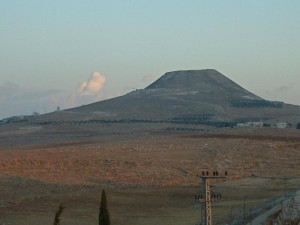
{"x": 58, "y": 214}
{"x": 104, "y": 218}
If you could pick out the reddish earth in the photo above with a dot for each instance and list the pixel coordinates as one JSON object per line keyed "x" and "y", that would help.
{"x": 162, "y": 161}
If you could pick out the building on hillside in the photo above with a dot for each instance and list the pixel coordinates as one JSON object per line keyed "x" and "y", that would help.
{"x": 251, "y": 124}
{"x": 242, "y": 125}
{"x": 256, "y": 124}
{"x": 281, "y": 125}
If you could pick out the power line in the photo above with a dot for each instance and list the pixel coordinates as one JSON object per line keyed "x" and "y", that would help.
{"x": 207, "y": 197}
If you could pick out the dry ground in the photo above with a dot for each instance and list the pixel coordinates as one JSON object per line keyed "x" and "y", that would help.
{"x": 26, "y": 201}
{"x": 151, "y": 175}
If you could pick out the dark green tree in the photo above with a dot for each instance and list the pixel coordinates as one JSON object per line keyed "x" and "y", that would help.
{"x": 298, "y": 125}
{"x": 104, "y": 218}
{"x": 58, "y": 214}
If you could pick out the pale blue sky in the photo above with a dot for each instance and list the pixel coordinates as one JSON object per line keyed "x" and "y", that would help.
{"x": 53, "y": 46}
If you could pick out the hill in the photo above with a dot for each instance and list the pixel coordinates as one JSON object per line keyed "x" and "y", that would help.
{"x": 187, "y": 96}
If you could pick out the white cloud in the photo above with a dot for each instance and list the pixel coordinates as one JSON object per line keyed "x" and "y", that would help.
{"x": 89, "y": 91}
{"x": 93, "y": 86}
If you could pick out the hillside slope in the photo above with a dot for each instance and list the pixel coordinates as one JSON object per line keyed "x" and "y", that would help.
{"x": 205, "y": 94}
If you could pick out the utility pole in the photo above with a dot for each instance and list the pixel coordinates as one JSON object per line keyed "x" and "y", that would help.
{"x": 284, "y": 187}
{"x": 206, "y": 197}
{"x": 244, "y": 207}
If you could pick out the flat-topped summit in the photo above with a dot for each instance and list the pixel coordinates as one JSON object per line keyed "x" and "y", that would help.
{"x": 193, "y": 79}
{"x": 208, "y": 81}
{"x": 187, "y": 79}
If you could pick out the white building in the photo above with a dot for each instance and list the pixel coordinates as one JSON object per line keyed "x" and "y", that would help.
{"x": 282, "y": 125}
{"x": 251, "y": 124}
{"x": 242, "y": 125}
{"x": 256, "y": 124}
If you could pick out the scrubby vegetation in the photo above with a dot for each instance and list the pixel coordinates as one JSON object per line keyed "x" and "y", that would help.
{"x": 256, "y": 104}
{"x": 201, "y": 119}
{"x": 184, "y": 129}
{"x": 193, "y": 119}
{"x": 102, "y": 121}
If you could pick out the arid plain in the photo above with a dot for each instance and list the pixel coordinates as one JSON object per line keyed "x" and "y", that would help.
{"x": 151, "y": 174}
